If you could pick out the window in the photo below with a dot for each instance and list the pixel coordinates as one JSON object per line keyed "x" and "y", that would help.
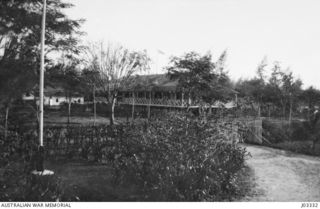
{"x": 79, "y": 100}
{"x": 57, "y": 100}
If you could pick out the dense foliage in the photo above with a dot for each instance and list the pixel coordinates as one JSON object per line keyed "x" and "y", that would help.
{"x": 20, "y": 30}
{"x": 297, "y": 136}
{"x": 178, "y": 159}
{"x": 200, "y": 77}
{"x": 173, "y": 158}
{"x": 16, "y": 163}
{"x": 276, "y": 92}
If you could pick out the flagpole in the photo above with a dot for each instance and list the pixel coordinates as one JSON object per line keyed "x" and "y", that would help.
{"x": 40, "y": 157}
{"x": 42, "y": 72}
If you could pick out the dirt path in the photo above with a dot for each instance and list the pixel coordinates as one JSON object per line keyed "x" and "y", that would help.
{"x": 283, "y": 176}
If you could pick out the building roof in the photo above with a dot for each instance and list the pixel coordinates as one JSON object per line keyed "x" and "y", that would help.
{"x": 154, "y": 82}
{"x": 55, "y": 91}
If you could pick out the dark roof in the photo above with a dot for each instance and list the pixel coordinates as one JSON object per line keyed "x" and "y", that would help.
{"x": 154, "y": 82}
{"x": 54, "y": 91}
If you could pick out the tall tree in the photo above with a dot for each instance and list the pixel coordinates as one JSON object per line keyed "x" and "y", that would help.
{"x": 20, "y": 29}
{"x": 89, "y": 79}
{"x": 116, "y": 66}
{"x": 291, "y": 89}
{"x": 261, "y": 69}
{"x": 253, "y": 90}
{"x": 199, "y": 77}
{"x": 281, "y": 90}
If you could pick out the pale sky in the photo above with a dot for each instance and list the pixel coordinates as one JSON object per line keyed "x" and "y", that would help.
{"x": 284, "y": 30}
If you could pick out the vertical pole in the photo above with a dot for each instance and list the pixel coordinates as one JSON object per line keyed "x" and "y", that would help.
{"x": 236, "y": 99}
{"x": 182, "y": 99}
{"x": 94, "y": 105}
{"x": 42, "y": 73}
{"x": 290, "y": 112}
{"x": 133, "y": 103}
{"x": 149, "y": 106}
{"x": 40, "y": 155}
{"x": 6, "y": 123}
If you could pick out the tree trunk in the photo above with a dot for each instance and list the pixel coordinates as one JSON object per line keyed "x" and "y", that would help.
{"x": 189, "y": 99}
{"x": 133, "y": 103}
{"x": 284, "y": 112}
{"x": 269, "y": 112}
{"x": 314, "y": 142}
{"x": 94, "y": 106}
{"x": 290, "y": 113}
{"x": 6, "y": 123}
{"x": 112, "y": 106}
{"x": 182, "y": 99}
{"x": 69, "y": 111}
{"x": 149, "y": 105}
{"x": 113, "y": 103}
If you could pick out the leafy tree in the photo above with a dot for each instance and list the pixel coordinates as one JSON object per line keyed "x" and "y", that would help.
{"x": 199, "y": 77}
{"x": 22, "y": 19}
{"x": 311, "y": 97}
{"x": 116, "y": 66}
{"x": 261, "y": 69}
{"x": 222, "y": 88}
{"x": 291, "y": 89}
{"x": 254, "y": 89}
{"x": 66, "y": 75}
{"x": 89, "y": 79}
{"x": 20, "y": 29}
{"x": 281, "y": 90}
{"x": 285, "y": 87}
{"x": 11, "y": 75}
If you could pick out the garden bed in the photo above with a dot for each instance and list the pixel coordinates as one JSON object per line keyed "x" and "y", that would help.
{"x": 175, "y": 158}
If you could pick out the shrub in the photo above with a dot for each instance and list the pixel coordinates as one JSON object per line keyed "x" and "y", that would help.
{"x": 16, "y": 163}
{"x": 304, "y": 147}
{"x": 178, "y": 159}
{"x": 274, "y": 132}
{"x": 296, "y": 137}
{"x": 18, "y": 184}
{"x": 300, "y": 131}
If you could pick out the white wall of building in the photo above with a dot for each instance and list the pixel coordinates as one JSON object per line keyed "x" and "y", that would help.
{"x": 27, "y": 97}
{"x": 55, "y": 100}
{"x": 59, "y": 100}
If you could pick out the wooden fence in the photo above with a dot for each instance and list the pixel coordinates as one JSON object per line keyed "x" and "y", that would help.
{"x": 93, "y": 142}
{"x": 78, "y": 141}
{"x": 154, "y": 102}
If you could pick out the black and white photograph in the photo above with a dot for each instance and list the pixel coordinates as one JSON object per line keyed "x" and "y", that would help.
{"x": 159, "y": 101}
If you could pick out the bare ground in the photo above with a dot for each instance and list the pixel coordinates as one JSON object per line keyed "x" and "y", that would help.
{"x": 278, "y": 175}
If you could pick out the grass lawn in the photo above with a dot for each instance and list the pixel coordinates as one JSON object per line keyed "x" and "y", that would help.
{"x": 60, "y": 119}
{"x": 84, "y": 120}
{"x": 83, "y": 181}
{"x": 90, "y": 182}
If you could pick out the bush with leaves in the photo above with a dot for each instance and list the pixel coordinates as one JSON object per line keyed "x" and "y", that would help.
{"x": 296, "y": 137}
{"x": 18, "y": 184}
{"x": 16, "y": 163}
{"x": 178, "y": 158}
